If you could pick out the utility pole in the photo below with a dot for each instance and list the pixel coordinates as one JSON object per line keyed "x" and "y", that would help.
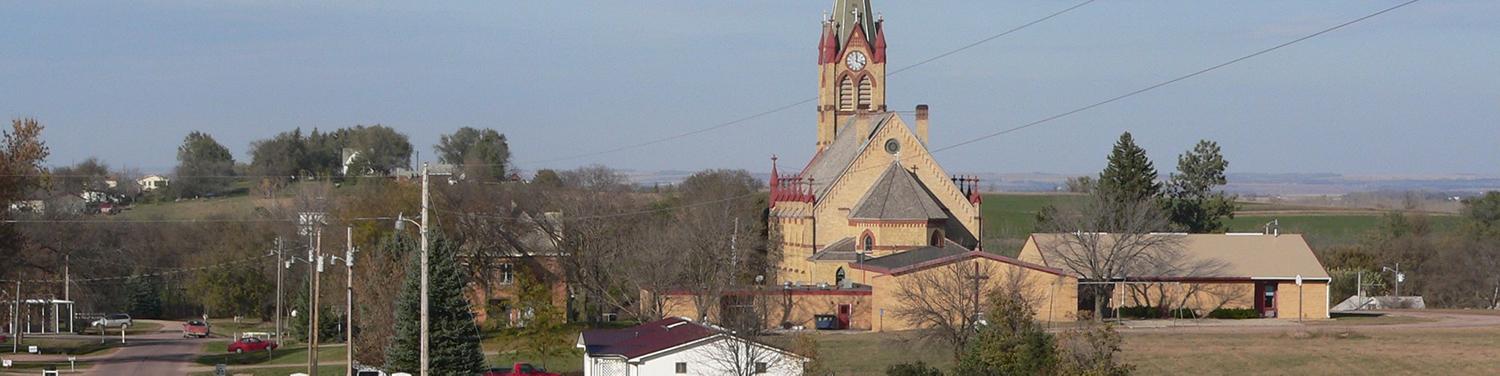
{"x": 67, "y": 284}
{"x": 424, "y": 322}
{"x": 15, "y": 321}
{"x": 279, "y": 266}
{"x": 349, "y": 302}
{"x": 312, "y": 331}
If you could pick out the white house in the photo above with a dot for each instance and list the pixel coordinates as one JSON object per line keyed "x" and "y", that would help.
{"x": 153, "y": 182}
{"x": 678, "y": 346}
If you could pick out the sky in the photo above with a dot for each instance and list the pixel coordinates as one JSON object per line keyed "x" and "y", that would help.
{"x": 1414, "y": 91}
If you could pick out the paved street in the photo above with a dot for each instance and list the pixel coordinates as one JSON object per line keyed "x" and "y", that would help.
{"x": 161, "y": 353}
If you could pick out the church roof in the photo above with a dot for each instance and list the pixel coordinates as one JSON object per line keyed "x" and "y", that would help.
{"x": 835, "y": 159}
{"x": 917, "y": 256}
{"x": 897, "y": 195}
{"x": 851, "y": 14}
{"x": 842, "y": 250}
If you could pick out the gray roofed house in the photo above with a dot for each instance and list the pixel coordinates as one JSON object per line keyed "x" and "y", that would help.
{"x": 897, "y": 195}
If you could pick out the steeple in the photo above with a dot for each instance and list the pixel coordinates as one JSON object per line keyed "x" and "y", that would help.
{"x": 851, "y": 14}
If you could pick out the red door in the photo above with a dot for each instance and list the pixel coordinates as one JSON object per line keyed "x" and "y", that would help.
{"x": 1265, "y": 299}
{"x": 843, "y": 316}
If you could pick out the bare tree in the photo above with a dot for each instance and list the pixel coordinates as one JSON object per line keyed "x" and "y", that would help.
{"x": 947, "y": 301}
{"x": 1102, "y": 239}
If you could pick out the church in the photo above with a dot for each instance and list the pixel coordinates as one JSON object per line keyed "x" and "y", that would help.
{"x": 873, "y": 213}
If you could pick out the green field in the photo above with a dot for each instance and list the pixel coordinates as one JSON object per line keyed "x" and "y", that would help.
{"x": 1010, "y": 217}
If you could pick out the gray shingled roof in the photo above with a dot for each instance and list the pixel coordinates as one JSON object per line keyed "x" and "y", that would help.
{"x": 836, "y": 158}
{"x": 842, "y": 250}
{"x": 917, "y": 256}
{"x": 897, "y": 195}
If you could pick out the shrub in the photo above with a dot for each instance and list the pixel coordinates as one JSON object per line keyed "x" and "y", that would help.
{"x": 1156, "y": 312}
{"x": 919, "y": 368}
{"x": 1234, "y": 313}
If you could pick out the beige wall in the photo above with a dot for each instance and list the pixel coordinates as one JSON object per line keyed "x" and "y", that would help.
{"x": 1053, "y": 297}
{"x": 795, "y": 308}
{"x": 1312, "y": 304}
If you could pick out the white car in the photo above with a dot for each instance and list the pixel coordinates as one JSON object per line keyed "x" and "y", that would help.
{"x": 113, "y": 321}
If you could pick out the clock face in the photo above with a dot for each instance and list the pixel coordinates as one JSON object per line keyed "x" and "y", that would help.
{"x": 855, "y": 60}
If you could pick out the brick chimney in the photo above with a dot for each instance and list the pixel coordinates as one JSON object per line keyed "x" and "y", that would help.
{"x": 922, "y": 123}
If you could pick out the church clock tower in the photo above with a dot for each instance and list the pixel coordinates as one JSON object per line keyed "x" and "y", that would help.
{"x": 851, "y": 66}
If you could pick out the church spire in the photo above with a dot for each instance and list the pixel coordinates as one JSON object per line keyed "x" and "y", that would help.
{"x": 851, "y": 14}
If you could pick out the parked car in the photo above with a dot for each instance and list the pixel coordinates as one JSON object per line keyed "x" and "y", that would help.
{"x": 195, "y": 328}
{"x": 251, "y": 344}
{"x": 519, "y": 369}
{"x": 114, "y": 321}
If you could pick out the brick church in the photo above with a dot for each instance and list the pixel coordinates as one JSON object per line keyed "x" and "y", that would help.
{"x": 873, "y": 212}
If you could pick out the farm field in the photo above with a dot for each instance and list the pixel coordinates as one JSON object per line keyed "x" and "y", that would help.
{"x": 1010, "y": 217}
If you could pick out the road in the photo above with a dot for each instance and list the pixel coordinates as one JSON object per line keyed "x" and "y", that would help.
{"x": 162, "y": 353}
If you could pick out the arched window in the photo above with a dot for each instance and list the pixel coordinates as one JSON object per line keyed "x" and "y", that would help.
{"x": 937, "y": 238}
{"x": 869, "y": 243}
{"x": 865, "y": 86}
{"x": 846, "y": 94}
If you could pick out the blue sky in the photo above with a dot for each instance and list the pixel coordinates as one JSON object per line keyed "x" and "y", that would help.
{"x": 1415, "y": 91}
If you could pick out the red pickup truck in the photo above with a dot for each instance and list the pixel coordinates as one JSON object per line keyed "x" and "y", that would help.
{"x": 195, "y": 328}
{"x": 519, "y": 369}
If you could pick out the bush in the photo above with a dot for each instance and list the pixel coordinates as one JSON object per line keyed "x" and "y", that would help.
{"x": 1234, "y": 313}
{"x": 1156, "y": 313}
{"x": 919, "y": 368}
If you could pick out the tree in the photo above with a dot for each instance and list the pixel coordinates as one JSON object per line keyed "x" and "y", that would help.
{"x": 807, "y": 346}
{"x": 596, "y": 178}
{"x": 145, "y": 298}
{"x": 203, "y": 166}
{"x": 380, "y": 149}
{"x": 1102, "y": 239}
{"x": 1129, "y": 176}
{"x": 1191, "y": 198}
{"x": 717, "y": 237}
{"x": 1011, "y": 343}
{"x": 482, "y": 151}
{"x": 232, "y": 290}
{"x": 1483, "y": 211}
{"x": 1079, "y": 184}
{"x": 541, "y": 332}
{"x": 947, "y": 301}
{"x": 453, "y": 336}
{"x": 88, "y": 175}
{"x": 21, "y": 173}
{"x": 547, "y": 178}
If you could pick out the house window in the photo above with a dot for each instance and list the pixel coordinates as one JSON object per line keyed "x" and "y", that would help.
{"x": 760, "y": 367}
{"x": 869, "y": 243}
{"x": 937, "y": 238}
{"x": 846, "y": 94}
{"x": 681, "y": 368}
{"x": 507, "y": 274}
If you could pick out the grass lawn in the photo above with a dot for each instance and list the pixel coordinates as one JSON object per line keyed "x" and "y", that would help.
{"x": 1316, "y": 349}
{"x": 1428, "y": 352}
{"x": 276, "y": 371}
{"x": 65, "y": 346}
{"x": 213, "y": 352}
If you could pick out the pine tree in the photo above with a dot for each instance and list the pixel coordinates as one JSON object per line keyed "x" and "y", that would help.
{"x": 145, "y": 298}
{"x": 453, "y": 335}
{"x": 1193, "y": 203}
{"x": 1130, "y": 176}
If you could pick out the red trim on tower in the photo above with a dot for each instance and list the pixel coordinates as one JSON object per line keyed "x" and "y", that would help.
{"x": 878, "y": 55}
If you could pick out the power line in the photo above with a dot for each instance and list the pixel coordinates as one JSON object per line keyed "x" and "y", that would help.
{"x": 1174, "y": 80}
{"x": 612, "y": 215}
{"x": 152, "y": 274}
{"x": 805, "y": 101}
{"x": 226, "y": 220}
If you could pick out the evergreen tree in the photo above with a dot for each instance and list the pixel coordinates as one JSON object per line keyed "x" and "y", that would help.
{"x": 1012, "y": 344}
{"x": 453, "y": 335}
{"x": 202, "y": 165}
{"x": 1192, "y": 201}
{"x": 1130, "y": 176}
{"x": 145, "y": 298}
{"x": 328, "y": 325}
